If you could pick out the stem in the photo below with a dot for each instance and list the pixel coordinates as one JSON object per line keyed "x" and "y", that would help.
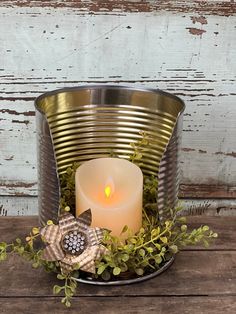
{"x": 146, "y": 216}
{"x": 151, "y": 241}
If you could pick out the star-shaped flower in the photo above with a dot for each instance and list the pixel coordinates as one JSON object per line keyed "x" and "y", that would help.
{"x": 73, "y": 242}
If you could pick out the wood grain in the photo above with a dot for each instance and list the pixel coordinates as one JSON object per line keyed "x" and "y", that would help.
{"x": 53, "y": 44}
{"x": 12, "y": 227}
{"x": 112, "y": 305}
{"x": 18, "y": 205}
{"x": 193, "y": 273}
{"x": 225, "y": 8}
{"x": 12, "y": 205}
{"x": 200, "y": 281}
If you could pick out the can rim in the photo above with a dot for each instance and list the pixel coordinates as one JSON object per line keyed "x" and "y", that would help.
{"x": 127, "y": 281}
{"x": 97, "y": 86}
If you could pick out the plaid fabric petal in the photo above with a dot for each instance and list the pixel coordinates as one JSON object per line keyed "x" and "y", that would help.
{"x": 51, "y": 233}
{"x": 95, "y": 235}
{"x": 67, "y": 222}
{"x": 53, "y": 252}
{"x": 84, "y": 220}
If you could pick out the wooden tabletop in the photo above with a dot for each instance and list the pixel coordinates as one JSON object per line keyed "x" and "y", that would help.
{"x": 199, "y": 281}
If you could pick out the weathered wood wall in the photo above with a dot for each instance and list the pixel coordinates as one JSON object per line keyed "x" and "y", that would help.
{"x": 184, "y": 47}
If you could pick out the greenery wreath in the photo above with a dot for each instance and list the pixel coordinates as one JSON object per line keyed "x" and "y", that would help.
{"x": 138, "y": 255}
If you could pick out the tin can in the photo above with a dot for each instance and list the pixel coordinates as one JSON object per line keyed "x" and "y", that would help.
{"x": 81, "y": 123}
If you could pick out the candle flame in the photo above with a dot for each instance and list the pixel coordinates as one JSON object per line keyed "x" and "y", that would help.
{"x": 109, "y": 188}
{"x": 107, "y": 191}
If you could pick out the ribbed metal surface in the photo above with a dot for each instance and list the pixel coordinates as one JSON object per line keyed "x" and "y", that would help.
{"x": 48, "y": 188}
{"x": 90, "y": 122}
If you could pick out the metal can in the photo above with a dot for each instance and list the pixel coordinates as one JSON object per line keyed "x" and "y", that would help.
{"x": 81, "y": 123}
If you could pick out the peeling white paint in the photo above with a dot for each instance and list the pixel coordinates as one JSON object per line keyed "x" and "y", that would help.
{"x": 45, "y": 48}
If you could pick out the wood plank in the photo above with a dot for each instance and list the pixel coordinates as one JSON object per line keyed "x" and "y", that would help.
{"x": 18, "y": 206}
{"x": 18, "y": 166}
{"x": 18, "y": 149}
{"x": 112, "y": 305}
{"x": 207, "y": 273}
{"x": 207, "y": 191}
{"x": 175, "y": 55}
{"x": 12, "y": 227}
{"x": 28, "y": 205}
{"x": 225, "y": 8}
{"x": 207, "y": 207}
{"x": 224, "y": 226}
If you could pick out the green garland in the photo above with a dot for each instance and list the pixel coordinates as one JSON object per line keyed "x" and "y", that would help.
{"x": 140, "y": 254}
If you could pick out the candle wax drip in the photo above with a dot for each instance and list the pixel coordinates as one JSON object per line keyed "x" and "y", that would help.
{"x": 74, "y": 242}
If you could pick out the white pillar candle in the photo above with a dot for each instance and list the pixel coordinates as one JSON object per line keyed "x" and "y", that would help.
{"x": 113, "y": 189}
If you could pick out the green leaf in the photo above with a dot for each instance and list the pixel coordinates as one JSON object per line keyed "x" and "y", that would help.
{"x": 18, "y": 240}
{"x": 63, "y": 300}
{"x": 167, "y": 223}
{"x": 155, "y": 232}
{"x": 76, "y": 266}
{"x": 106, "y": 275}
{"x": 69, "y": 291}
{"x": 101, "y": 269}
{"x": 139, "y": 271}
{"x": 125, "y": 257}
{"x": 35, "y": 230}
{"x": 182, "y": 219}
{"x": 124, "y": 229}
{"x": 205, "y": 228}
{"x": 3, "y": 256}
{"x": 129, "y": 247}
{"x": 183, "y": 228}
{"x": 142, "y": 231}
{"x": 57, "y": 289}
{"x": 149, "y": 249}
{"x": 60, "y": 276}
{"x": 158, "y": 259}
{"x": 158, "y": 246}
{"x": 67, "y": 303}
{"x": 206, "y": 244}
{"x": 123, "y": 268}
{"x": 173, "y": 248}
{"x": 21, "y": 250}
{"x": 67, "y": 209}
{"x": 3, "y": 245}
{"x": 133, "y": 240}
{"x": 116, "y": 271}
{"x": 35, "y": 265}
{"x": 141, "y": 252}
{"x": 164, "y": 239}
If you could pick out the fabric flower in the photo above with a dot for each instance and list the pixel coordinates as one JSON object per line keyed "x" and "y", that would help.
{"x": 73, "y": 241}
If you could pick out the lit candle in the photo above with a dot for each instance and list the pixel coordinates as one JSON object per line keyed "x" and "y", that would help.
{"x": 113, "y": 189}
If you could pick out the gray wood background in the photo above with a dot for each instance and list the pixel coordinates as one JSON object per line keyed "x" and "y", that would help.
{"x": 184, "y": 47}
